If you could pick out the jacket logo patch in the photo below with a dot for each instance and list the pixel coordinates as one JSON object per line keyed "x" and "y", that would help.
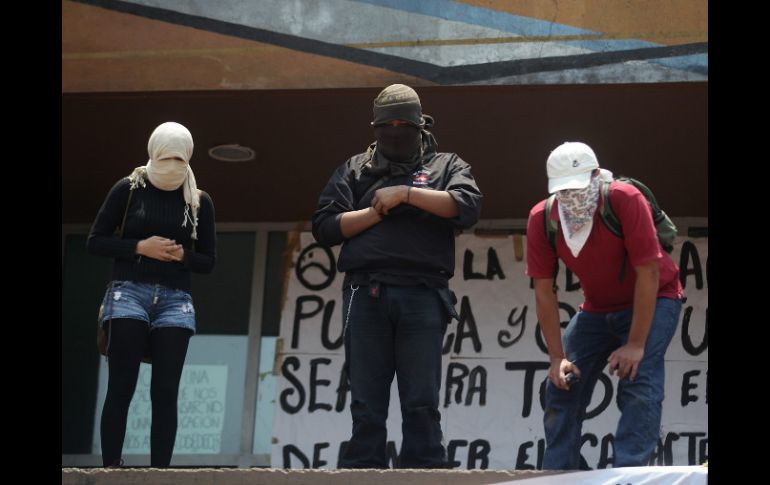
{"x": 420, "y": 177}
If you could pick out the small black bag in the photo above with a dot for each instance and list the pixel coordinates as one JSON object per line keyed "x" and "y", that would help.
{"x": 103, "y": 338}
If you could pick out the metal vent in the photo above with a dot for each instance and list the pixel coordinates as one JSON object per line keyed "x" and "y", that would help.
{"x": 232, "y": 153}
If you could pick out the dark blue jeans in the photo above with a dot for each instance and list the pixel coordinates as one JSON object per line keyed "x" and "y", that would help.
{"x": 589, "y": 340}
{"x": 398, "y": 332}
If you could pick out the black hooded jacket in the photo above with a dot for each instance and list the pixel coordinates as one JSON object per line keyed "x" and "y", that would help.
{"x": 410, "y": 245}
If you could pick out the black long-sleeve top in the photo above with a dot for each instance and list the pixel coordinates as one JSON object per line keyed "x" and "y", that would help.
{"x": 409, "y": 245}
{"x": 153, "y": 212}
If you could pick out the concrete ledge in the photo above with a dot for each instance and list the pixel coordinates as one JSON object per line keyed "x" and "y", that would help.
{"x": 279, "y": 476}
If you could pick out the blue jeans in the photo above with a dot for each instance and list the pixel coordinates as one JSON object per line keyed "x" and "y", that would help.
{"x": 157, "y": 305}
{"x": 589, "y": 340}
{"x": 399, "y": 332}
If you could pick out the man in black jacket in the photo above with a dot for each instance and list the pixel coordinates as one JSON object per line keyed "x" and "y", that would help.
{"x": 394, "y": 208}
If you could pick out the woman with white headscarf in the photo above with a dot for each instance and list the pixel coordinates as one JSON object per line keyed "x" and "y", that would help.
{"x": 158, "y": 227}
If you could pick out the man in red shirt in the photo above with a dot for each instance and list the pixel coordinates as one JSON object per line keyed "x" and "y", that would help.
{"x": 627, "y": 319}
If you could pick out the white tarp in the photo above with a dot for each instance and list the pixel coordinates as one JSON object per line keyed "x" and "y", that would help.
{"x": 642, "y": 475}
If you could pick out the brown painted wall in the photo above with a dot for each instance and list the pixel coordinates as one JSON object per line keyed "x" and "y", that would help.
{"x": 655, "y": 132}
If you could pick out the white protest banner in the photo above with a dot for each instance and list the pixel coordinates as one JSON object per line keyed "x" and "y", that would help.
{"x": 494, "y": 365}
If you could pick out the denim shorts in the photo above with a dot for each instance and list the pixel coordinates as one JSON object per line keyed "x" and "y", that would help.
{"x": 157, "y": 305}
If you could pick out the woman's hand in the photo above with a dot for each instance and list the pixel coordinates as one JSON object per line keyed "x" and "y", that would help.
{"x": 160, "y": 248}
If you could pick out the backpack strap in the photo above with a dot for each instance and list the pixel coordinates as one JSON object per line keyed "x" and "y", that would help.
{"x": 606, "y": 214}
{"x": 551, "y": 228}
{"x": 612, "y": 222}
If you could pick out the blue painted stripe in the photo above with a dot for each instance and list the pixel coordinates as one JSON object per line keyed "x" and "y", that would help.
{"x": 527, "y": 26}
{"x": 611, "y": 44}
{"x": 469, "y": 14}
{"x": 698, "y": 63}
{"x": 515, "y": 24}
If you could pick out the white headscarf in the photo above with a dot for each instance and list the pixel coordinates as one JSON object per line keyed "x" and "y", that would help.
{"x": 171, "y": 140}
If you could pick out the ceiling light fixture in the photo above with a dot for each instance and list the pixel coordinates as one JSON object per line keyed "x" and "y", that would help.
{"x": 232, "y": 153}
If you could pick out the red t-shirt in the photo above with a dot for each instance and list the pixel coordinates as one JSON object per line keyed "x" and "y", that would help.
{"x": 599, "y": 262}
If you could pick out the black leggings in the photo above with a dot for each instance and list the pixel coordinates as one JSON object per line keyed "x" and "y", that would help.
{"x": 169, "y": 348}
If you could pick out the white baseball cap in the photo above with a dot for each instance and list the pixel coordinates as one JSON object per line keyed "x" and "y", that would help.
{"x": 570, "y": 165}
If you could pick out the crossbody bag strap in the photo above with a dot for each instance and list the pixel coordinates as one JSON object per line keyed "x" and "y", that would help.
{"x": 110, "y": 286}
{"x": 125, "y": 213}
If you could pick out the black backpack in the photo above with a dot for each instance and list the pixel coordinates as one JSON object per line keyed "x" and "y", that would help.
{"x": 665, "y": 228}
